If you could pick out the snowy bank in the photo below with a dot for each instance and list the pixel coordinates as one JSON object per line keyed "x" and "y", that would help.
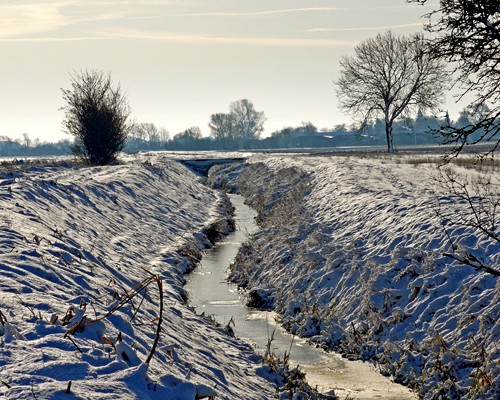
{"x": 80, "y": 249}
{"x": 351, "y": 255}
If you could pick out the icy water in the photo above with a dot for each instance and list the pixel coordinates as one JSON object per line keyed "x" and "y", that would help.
{"x": 210, "y": 293}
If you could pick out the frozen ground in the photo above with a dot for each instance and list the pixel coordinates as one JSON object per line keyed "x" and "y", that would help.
{"x": 79, "y": 250}
{"x": 351, "y": 255}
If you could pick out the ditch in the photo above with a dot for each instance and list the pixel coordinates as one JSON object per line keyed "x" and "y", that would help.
{"x": 209, "y": 292}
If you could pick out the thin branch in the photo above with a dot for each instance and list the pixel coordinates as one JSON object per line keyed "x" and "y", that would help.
{"x": 471, "y": 260}
{"x": 160, "y": 320}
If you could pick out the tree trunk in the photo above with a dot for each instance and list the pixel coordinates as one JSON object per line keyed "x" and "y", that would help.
{"x": 388, "y": 134}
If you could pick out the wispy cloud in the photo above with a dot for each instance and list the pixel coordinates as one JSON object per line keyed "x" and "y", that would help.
{"x": 142, "y": 4}
{"x": 54, "y": 20}
{"x": 262, "y": 13}
{"x": 187, "y": 38}
{"x": 51, "y": 39}
{"x": 29, "y": 18}
{"x": 364, "y": 28}
{"x": 21, "y": 21}
{"x": 206, "y": 39}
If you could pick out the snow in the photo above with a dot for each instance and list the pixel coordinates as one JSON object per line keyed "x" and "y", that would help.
{"x": 352, "y": 253}
{"x": 79, "y": 303}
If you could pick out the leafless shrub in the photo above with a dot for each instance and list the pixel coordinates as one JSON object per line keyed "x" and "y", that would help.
{"x": 97, "y": 116}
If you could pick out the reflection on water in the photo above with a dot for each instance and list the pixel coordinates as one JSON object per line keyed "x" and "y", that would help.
{"x": 210, "y": 293}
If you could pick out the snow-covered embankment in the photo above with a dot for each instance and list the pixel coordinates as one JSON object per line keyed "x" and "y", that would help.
{"x": 350, "y": 254}
{"x": 79, "y": 249}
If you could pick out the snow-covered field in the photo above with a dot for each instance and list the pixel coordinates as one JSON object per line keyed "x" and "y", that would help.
{"x": 80, "y": 250}
{"x": 351, "y": 254}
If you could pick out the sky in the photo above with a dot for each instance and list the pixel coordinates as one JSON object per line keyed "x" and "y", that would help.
{"x": 179, "y": 61}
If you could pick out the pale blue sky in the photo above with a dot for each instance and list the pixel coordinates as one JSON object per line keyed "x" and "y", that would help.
{"x": 182, "y": 60}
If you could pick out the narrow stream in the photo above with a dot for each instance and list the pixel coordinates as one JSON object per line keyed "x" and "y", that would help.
{"x": 211, "y": 293}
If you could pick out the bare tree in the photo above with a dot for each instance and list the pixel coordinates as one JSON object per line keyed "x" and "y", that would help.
{"x": 467, "y": 34}
{"x": 163, "y": 135}
{"x": 149, "y": 132}
{"x": 96, "y": 114}
{"x": 390, "y": 76}
{"x": 248, "y": 123}
{"x": 193, "y": 133}
{"x": 221, "y": 126}
{"x": 26, "y": 140}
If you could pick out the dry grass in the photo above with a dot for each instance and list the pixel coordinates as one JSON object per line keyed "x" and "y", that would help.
{"x": 477, "y": 161}
{"x": 481, "y": 164}
{"x": 466, "y": 161}
{"x": 469, "y": 161}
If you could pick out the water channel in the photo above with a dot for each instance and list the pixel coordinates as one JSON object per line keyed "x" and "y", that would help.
{"x": 210, "y": 293}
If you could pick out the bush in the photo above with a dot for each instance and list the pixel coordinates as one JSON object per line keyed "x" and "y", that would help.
{"x": 97, "y": 115}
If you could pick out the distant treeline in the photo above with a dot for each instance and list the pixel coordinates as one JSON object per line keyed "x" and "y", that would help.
{"x": 32, "y": 148}
{"x": 289, "y": 139}
{"x": 146, "y": 136}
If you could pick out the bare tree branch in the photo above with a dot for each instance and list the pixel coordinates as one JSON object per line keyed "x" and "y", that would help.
{"x": 467, "y": 35}
{"x": 474, "y": 203}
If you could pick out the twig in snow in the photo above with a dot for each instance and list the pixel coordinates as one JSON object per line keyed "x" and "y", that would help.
{"x": 140, "y": 304}
{"x": 5, "y": 383}
{"x": 160, "y": 319}
{"x": 77, "y": 347}
{"x": 25, "y": 305}
{"x": 128, "y": 296}
{"x": 286, "y": 357}
{"x": 33, "y": 390}
{"x": 3, "y": 319}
